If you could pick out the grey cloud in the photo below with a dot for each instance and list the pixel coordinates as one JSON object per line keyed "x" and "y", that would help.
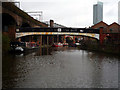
{"x": 71, "y": 12}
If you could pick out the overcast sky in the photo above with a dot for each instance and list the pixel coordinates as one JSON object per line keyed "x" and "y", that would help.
{"x": 72, "y": 13}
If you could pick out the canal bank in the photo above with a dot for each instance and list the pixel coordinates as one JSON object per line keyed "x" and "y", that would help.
{"x": 105, "y": 48}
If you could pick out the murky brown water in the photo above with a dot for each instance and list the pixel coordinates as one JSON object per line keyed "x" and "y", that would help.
{"x": 60, "y": 68}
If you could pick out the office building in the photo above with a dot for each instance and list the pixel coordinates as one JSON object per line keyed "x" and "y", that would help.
{"x": 119, "y": 12}
{"x": 97, "y": 12}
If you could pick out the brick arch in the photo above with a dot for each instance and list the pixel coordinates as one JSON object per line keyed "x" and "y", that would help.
{"x": 25, "y": 24}
{"x": 16, "y": 17}
{"x": 71, "y": 37}
{"x": 7, "y": 19}
{"x": 8, "y": 25}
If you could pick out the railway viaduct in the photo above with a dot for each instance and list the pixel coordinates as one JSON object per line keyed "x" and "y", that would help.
{"x": 13, "y": 18}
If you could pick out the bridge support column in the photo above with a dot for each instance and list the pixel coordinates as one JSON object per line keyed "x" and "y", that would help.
{"x": 47, "y": 40}
{"x": 40, "y": 51}
{"x": 73, "y": 39}
{"x": 53, "y": 39}
{"x": 57, "y": 38}
{"x": 30, "y": 38}
{"x": 87, "y": 38}
{"x": 40, "y": 40}
{"x": 64, "y": 40}
{"x": 83, "y": 38}
{"x": 101, "y": 37}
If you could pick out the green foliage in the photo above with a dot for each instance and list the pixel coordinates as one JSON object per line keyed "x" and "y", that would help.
{"x": 5, "y": 43}
{"x": 106, "y": 48}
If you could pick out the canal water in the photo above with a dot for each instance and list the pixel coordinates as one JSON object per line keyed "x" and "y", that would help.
{"x": 64, "y": 67}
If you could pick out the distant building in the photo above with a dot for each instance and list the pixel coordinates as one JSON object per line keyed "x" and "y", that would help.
{"x": 112, "y": 31}
{"x": 112, "y": 28}
{"x": 97, "y": 12}
{"x": 119, "y": 12}
{"x": 52, "y": 24}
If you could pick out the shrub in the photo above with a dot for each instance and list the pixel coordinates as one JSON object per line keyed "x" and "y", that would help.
{"x": 5, "y": 43}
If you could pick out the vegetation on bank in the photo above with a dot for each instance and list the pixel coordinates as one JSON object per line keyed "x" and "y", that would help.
{"x": 5, "y": 43}
{"x": 107, "y": 48}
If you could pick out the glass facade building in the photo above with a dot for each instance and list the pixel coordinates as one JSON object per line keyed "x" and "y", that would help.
{"x": 119, "y": 12}
{"x": 97, "y": 12}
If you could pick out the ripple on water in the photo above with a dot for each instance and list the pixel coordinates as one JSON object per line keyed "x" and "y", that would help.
{"x": 61, "y": 68}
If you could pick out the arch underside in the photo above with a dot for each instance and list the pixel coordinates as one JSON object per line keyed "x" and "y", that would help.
{"x": 7, "y": 20}
{"x": 25, "y": 24}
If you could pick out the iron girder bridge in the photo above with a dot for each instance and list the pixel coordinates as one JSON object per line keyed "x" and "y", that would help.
{"x": 94, "y": 33}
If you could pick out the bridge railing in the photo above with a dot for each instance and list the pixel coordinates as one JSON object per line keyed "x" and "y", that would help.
{"x": 77, "y": 30}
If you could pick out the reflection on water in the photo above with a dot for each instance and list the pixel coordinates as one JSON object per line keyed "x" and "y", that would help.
{"x": 63, "y": 67}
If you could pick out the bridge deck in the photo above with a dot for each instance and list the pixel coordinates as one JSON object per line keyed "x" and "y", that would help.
{"x": 48, "y": 29}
